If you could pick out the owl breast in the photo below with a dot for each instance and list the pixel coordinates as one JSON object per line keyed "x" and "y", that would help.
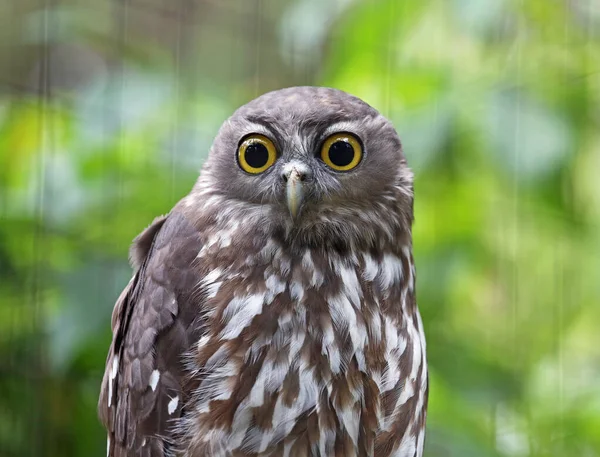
{"x": 317, "y": 354}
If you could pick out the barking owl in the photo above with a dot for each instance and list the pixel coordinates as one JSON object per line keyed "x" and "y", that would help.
{"x": 272, "y": 312}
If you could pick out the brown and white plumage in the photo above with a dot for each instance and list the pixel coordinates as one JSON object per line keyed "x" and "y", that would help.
{"x": 274, "y": 314}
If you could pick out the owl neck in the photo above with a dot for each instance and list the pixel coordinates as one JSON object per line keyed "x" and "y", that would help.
{"x": 380, "y": 226}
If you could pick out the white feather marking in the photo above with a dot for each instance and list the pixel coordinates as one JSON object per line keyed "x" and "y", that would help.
{"x": 275, "y": 286}
{"x": 342, "y": 313}
{"x": 391, "y": 374}
{"x": 277, "y": 375}
{"x": 335, "y": 359}
{"x": 111, "y": 377}
{"x": 266, "y": 438}
{"x": 375, "y": 328}
{"x": 254, "y": 438}
{"x": 407, "y": 445}
{"x": 391, "y": 271}
{"x": 329, "y": 347}
{"x": 241, "y": 422}
{"x": 317, "y": 278}
{"x": 108, "y": 446}
{"x": 203, "y": 251}
{"x": 172, "y": 406}
{"x": 154, "y": 378}
{"x": 287, "y": 447}
{"x": 351, "y": 285}
{"x": 239, "y": 314}
{"x": 269, "y": 250}
{"x": 212, "y": 276}
{"x": 418, "y": 364}
{"x": 202, "y": 341}
{"x": 371, "y": 268}
{"x": 115, "y": 367}
{"x": 222, "y": 390}
{"x": 360, "y": 360}
{"x": 391, "y": 334}
{"x": 309, "y": 388}
{"x": 296, "y": 344}
{"x": 420, "y": 442}
{"x": 296, "y": 291}
{"x": 284, "y": 319}
{"x": 411, "y": 267}
{"x": 307, "y": 262}
{"x": 326, "y": 441}
{"x": 377, "y": 379}
{"x": 350, "y": 417}
{"x": 213, "y": 289}
{"x": 255, "y": 350}
{"x": 218, "y": 358}
{"x": 344, "y": 318}
{"x": 284, "y": 266}
{"x": 284, "y": 417}
{"x": 407, "y": 392}
{"x": 401, "y": 345}
{"x": 421, "y": 332}
{"x": 358, "y": 336}
{"x": 110, "y": 392}
{"x": 416, "y": 346}
{"x": 225, "y": 239}
{"x": 256, "y": 397}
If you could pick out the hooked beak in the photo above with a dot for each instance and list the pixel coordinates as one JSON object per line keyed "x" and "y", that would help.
{"x": 294, "y": 192}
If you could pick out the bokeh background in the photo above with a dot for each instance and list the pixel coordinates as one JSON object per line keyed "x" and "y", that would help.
{"x": 107, "y": 111}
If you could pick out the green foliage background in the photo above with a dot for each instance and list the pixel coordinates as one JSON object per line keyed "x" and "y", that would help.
{"x": 107, "y": 111}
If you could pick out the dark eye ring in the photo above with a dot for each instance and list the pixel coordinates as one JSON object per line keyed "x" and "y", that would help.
{"x": 256, "y": 154}
{"x": 341, "y": 151}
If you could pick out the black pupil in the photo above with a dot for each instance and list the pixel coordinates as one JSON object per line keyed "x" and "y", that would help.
{"x": 341, "y": 153}
{"x": 257, "y": 155}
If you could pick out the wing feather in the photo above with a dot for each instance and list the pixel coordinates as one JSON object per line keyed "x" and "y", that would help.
{"x": 154, "y": 324}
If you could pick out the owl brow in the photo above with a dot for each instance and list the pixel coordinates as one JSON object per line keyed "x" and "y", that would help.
{"x": 341, "y": 126}
{"x": 263, "y": 120}
{"x": 313, "y": 124}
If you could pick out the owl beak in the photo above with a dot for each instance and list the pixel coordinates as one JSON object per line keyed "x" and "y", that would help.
{"x": 294, "y": 191}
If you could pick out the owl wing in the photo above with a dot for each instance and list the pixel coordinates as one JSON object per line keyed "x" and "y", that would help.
{"x": 155, "y": 321}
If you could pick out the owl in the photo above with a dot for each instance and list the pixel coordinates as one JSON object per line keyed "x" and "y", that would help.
{"x": 272, "y": 311}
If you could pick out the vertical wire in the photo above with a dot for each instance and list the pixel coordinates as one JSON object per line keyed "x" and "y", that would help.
{"x": 121, "y": 23}
{"x": 12, "y": 359}
{"x": 113, "y": 110}
{"x": 36, "y": 377}
{"x": 181, "y": 44}
{"x": 560, "y": 296}
{"x": 516, "y": 192}
{"x": 176, "y": 95}
{"x": 515, "y": 184}
{"x": 389, "y": 58}
{"x": 258, "y": 48}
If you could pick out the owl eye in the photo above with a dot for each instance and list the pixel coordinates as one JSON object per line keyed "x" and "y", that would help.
{"x": 341, "y": 151}
{"x": 256, "y": 154}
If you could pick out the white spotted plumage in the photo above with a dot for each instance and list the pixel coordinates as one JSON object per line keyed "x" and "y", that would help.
{"x": 343, "y": 307}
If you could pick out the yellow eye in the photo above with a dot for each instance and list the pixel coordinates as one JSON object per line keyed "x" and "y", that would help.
{"x": 341, "y": 151}
{"x": 256, "y": 154}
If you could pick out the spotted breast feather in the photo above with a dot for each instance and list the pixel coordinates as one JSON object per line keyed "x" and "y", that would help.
{"x": 275, "y": 353}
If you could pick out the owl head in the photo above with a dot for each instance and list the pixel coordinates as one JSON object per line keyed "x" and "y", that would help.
{"x": 314, "y": 165}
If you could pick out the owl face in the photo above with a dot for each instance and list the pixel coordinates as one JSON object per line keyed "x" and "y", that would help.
{"x": 312, "y": 155}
